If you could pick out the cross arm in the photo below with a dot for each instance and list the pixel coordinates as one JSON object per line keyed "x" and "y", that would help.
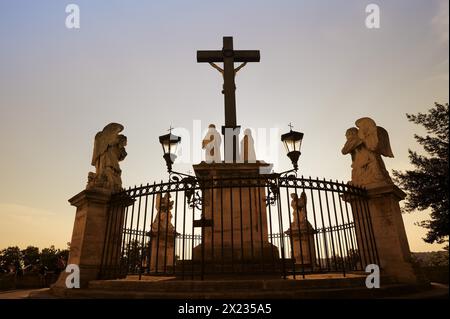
{"x": 238, "y": 56}
{"x": 209, "y": 56}
{"x": 246, "y": 56}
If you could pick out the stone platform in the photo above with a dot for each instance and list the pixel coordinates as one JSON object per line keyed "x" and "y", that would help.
{"x": 323, "y": 286}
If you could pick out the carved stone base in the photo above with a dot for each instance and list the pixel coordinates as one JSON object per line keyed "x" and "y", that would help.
{"x": 88, "y": 236}
{"x": 389, "y": 231}
{"x": 238, "y": 214}
{"x": 303, "y": 244}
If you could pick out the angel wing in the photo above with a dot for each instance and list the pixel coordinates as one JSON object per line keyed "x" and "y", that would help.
{"x": 375, "y": 137}
{"x": 104, "y": 139}
{"x": 368, "y": 132}
{"x": 384, "y": 146}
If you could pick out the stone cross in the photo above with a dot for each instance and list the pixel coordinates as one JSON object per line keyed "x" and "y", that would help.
{"x": 229, "y": 56}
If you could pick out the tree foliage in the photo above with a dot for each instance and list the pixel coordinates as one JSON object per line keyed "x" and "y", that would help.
{"x": 14, "y": 259}
{"x": 11, "y": 259}
{"x": 426, "y": 185}
{"x": 431, "y": 259}
{"x": 30, "y": 256}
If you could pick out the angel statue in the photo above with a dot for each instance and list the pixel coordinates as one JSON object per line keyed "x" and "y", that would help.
{"x": 298, "y": 208}
{"x": 109, "y": 150}
{"x": 164, "y": 204}
{"x": 163, "y": 218}
{"x": 366, "y": 144}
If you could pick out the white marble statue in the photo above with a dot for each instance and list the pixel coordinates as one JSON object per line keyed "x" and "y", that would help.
{"x": 211, "y": 145}
{"x": 248, "y": 153}
{"x": 366, "y": 144}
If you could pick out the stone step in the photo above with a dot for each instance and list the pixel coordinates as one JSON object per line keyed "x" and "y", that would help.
{"x": 248, "y": 284}
{"x": 386, "y": 291}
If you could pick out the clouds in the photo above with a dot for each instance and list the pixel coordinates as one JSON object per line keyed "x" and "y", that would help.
{"x": 440, "y": 22}
{"x": 439, "y": 26}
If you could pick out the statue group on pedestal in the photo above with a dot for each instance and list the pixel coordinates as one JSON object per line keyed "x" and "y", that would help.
{"x": 163, "y": 218}
{"x": 212, "y": 141}
{"x": 301, "y": 232}
{"x": 366, "y": 143}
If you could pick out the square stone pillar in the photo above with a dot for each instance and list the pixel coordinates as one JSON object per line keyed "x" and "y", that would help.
{"x": 88, "y": 236}
{"x": 232, "y": 238}
{"x": 389, "y": 232}
{"x": 162, "y": 242}
{"x": 303, "y": 244}
{"x": 162, "y": 251}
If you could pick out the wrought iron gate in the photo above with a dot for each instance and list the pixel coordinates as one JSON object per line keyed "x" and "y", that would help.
{"x": 271, "y": 225}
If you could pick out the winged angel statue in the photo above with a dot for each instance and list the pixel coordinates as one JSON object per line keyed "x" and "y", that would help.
{"x": 109, "y": 150}
{"x": 366, "y": 144}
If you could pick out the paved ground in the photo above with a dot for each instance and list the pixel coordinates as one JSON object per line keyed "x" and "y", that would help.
{"x": 438, "y": 291}
{"x": 18, "y": 294}
{"x": 298, "y": 277}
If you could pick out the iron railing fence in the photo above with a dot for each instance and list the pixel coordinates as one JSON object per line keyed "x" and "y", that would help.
{"x": 270, "y": 225}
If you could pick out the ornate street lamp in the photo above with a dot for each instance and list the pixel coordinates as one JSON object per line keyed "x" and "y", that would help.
{"x": 292, "y": 142}
{"x": 169, "y": 144}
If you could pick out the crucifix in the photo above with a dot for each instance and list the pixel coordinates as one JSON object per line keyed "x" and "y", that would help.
{"x": 229, "y": 56}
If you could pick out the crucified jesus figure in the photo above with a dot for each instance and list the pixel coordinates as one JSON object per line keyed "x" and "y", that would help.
{"x": 218, "y": 68}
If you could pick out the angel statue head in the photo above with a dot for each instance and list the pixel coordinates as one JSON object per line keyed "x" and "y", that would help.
{"x": 366, "y": 143}
{"x": 109, "y": 150}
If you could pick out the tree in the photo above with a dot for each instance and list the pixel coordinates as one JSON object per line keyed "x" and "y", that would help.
{"x": 431, "y": 259}
{"x": 30, "y": 256}
{"x": 11, "y": 259}
{"x": 353, "y": 258}
{"x": 426, "y": 185}
{"x": 64, "y": 254}
{"x": 133, "y": 254}
{"x": 438, "y": 258}
{"x": 49, "y": 258}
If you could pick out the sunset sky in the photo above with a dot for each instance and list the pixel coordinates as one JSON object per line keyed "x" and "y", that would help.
{"x": 134, "y": 62}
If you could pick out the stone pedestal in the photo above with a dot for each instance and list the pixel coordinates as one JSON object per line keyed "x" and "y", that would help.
{"x": 388, "y": 230}
{"x": 237, "y": 215}
{"x": 162, "y": 243}
{"x": 88, "y": 236}
{"x": 304, "y": 252}
{"x": 162, "y": 251}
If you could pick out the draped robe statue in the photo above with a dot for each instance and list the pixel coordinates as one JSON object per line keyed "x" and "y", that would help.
{"x": 109, "y": 150}
{"x": 163, "y": 218}
{"x": 248, "y": 153}
{"x": 366, "y": 144}
{"x": 211, "y": 144}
